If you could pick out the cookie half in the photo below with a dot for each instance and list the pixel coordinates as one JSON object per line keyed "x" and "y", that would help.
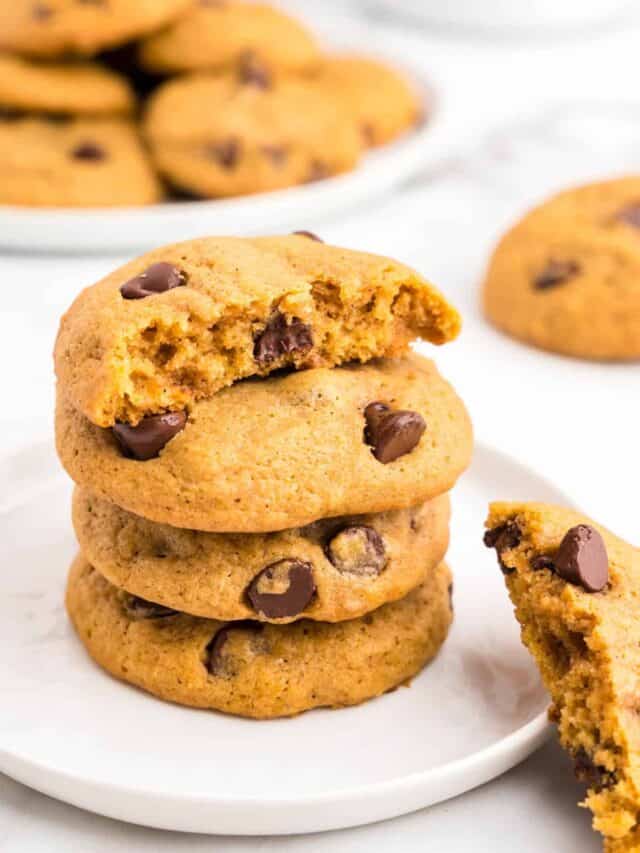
{"x": 281, "y": 452}
{"x": 179, "y": 323}
{"x": 252, "y": 669}
{"x": 575, "y": 588}
{"x": 332, "y": 570}
{"x": 567, "y": 277}
{"x": 75, "y": 163}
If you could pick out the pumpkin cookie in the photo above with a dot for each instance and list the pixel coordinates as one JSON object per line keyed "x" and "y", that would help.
{"x": 183, "y": 321}
{"x": 247, "y": 132}
{"x": 567, "y": 277}
{"x": 59, "y": 27}
{"x": 281, "y": 452}
{"x": 381, "y": 100}
{"x": 331, "y": 570}
{"x": 73, "y": 88}
{"x": 75, "y": 163}
{"x": 576, "y": 589}
{"x": 220, "y": 35}
{"x": 252, "y": 669}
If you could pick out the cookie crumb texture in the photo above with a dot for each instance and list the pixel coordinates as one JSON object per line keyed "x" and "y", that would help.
{"x": 587, "y": 647}
{"x": 252, "y": 670}
{"x": 355, "y": 564}
{"x": 566, "y": 278}
{"x": 247, "y": 308}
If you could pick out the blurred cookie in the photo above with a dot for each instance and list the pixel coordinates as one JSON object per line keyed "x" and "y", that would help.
{"x": 51, "y": 28}
{"x": 334, "y": 569}
{"x": 566, "y": 278}
{"x": 216, "y": 35}
{"x": 74, "y": 88}
{"x": 381, "y": 100}
{"x": 280, "y": 452}
{"x": 252, "y": 669}
{"x": 178, "y": 323}
{"x": 241, "y": 133}
{"x": 74, "y": 163}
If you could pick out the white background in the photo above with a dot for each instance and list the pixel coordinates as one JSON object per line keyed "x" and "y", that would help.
{"x": 538, "y": 114}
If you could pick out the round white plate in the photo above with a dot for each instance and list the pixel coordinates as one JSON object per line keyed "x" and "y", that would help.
{"x": 71, "y": 731}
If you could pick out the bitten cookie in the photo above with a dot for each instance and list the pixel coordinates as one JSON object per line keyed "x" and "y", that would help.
{"x": 75, "y": 163}
{"x": 73, "y": 88}
{"x": 219, "y": 35}
{"x": 381, "y": 100}
{"x": 59, "y": 27}
{"x": 179, "y": 323}
{"x": 251, "y": 669}
{"x": 331, "y": 570}
{"x": 575, "y": 589}
{"x": 567, "y": 277}
{"x": 246, "y": 132}
{"x": 280, "y": 452}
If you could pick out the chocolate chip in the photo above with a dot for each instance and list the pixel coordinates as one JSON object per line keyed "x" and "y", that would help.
{"x": 582, "y": 558}
{"x": 214, "y": 657}
{"x": 318, "y": 171}
{"x": 140, "y": 608}
{"x": 591, "y": 774}
{"x": 368, "y": 134}
{"x": 11, "y": 114}
{"x": 542, "y": 562}
{"x": 280, "y": 339}
{"x": 89, "y": 151}
{"x": 282, "y": 589}
{"x": 503, "y": 538}
{"x": 276, "y": 153}
{"x": 357, "y": 550}
{"x": 630, "y": 215}
{"x": 450, "y": 592}
{"x": 253, "y": 73}
{"x": 310, "y": 235}
{"x": 390, "y": 433}
{"x": 41, "y": 11}
{"x": 157, "y": 278}
{"x": 226, "y": 153}
{"x": 146, "y": 440}
{"x": 555, "y": 273}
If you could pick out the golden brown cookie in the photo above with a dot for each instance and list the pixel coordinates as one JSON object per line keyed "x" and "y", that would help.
{"x": 74, "y": 88}
{"x": 576, "y": 591}
{"x": 566, "y": 278}
{"x": 241, "y": 133}
{"x": 252, "y": 669}
{"x": 331, "y": 570}
{"x": 219, "y": 35}
{"x": 75, "y": 163}
{"x": 282, "y": 452}
{"x": 59, "y": 27}
{"x": 216, "y": 310}
{"x": 384, "y": 103}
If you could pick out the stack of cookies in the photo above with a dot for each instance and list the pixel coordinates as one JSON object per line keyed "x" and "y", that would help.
{"x": 262, "y": 472}
{"x": 122, "y": 102}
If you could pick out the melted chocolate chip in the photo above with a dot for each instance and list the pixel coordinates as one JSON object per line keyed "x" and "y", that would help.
{"x": 630, "y": 215}
{"x": 542, "y": 562}
{"x": 214, "y": 655}
{"x": 253, "y": 73}
{"x": 582, "y": 558}
{"x": 555, "y": 273}
{"x": 89, "y": 151}
{"x": 281, "y": 339}
{"x": 140, "y": 608}
{"x": 282, "y": 589}
{"x": 368, "y": 135}
{"x": 157, "y": 278}
{"x": 310, "y": 235}
{"x": 226, "y": 153}
{"x": 41, "y": 11}
{"x": 357, "y": 550}
{"x": 318, "y": 171}
{"x": 146, "y": 440}
{"x": 390, "y": 433}
{"x": 276, "y": 153}
{"x": 503, "y": 538}
{"x": 593, "y": 775}
{"x": 450, "y": 591}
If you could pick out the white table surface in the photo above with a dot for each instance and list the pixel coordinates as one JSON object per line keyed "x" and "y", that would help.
{"x": 540, "y": 114}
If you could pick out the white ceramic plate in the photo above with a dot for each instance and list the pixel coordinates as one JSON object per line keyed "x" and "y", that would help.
{"x": 70, "y": 731}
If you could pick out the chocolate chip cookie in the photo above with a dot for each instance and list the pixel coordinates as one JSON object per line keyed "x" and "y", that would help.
{"x": 219, "y": 35}
{"x": 50, "y": 28}
{"x": 74, "y": 163}
{"x": 71, "y": 88}
{"x": 282, "y": 452}
{"x": 251, "y": 669}
{"x": 384, "y": 103}
{"x": 567, "y": 277}
{"x": 183, "y": 321}
{"x": 246, "y": 132}
{"x": 575, "y": 588}
{"x": 331, "y": 570}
